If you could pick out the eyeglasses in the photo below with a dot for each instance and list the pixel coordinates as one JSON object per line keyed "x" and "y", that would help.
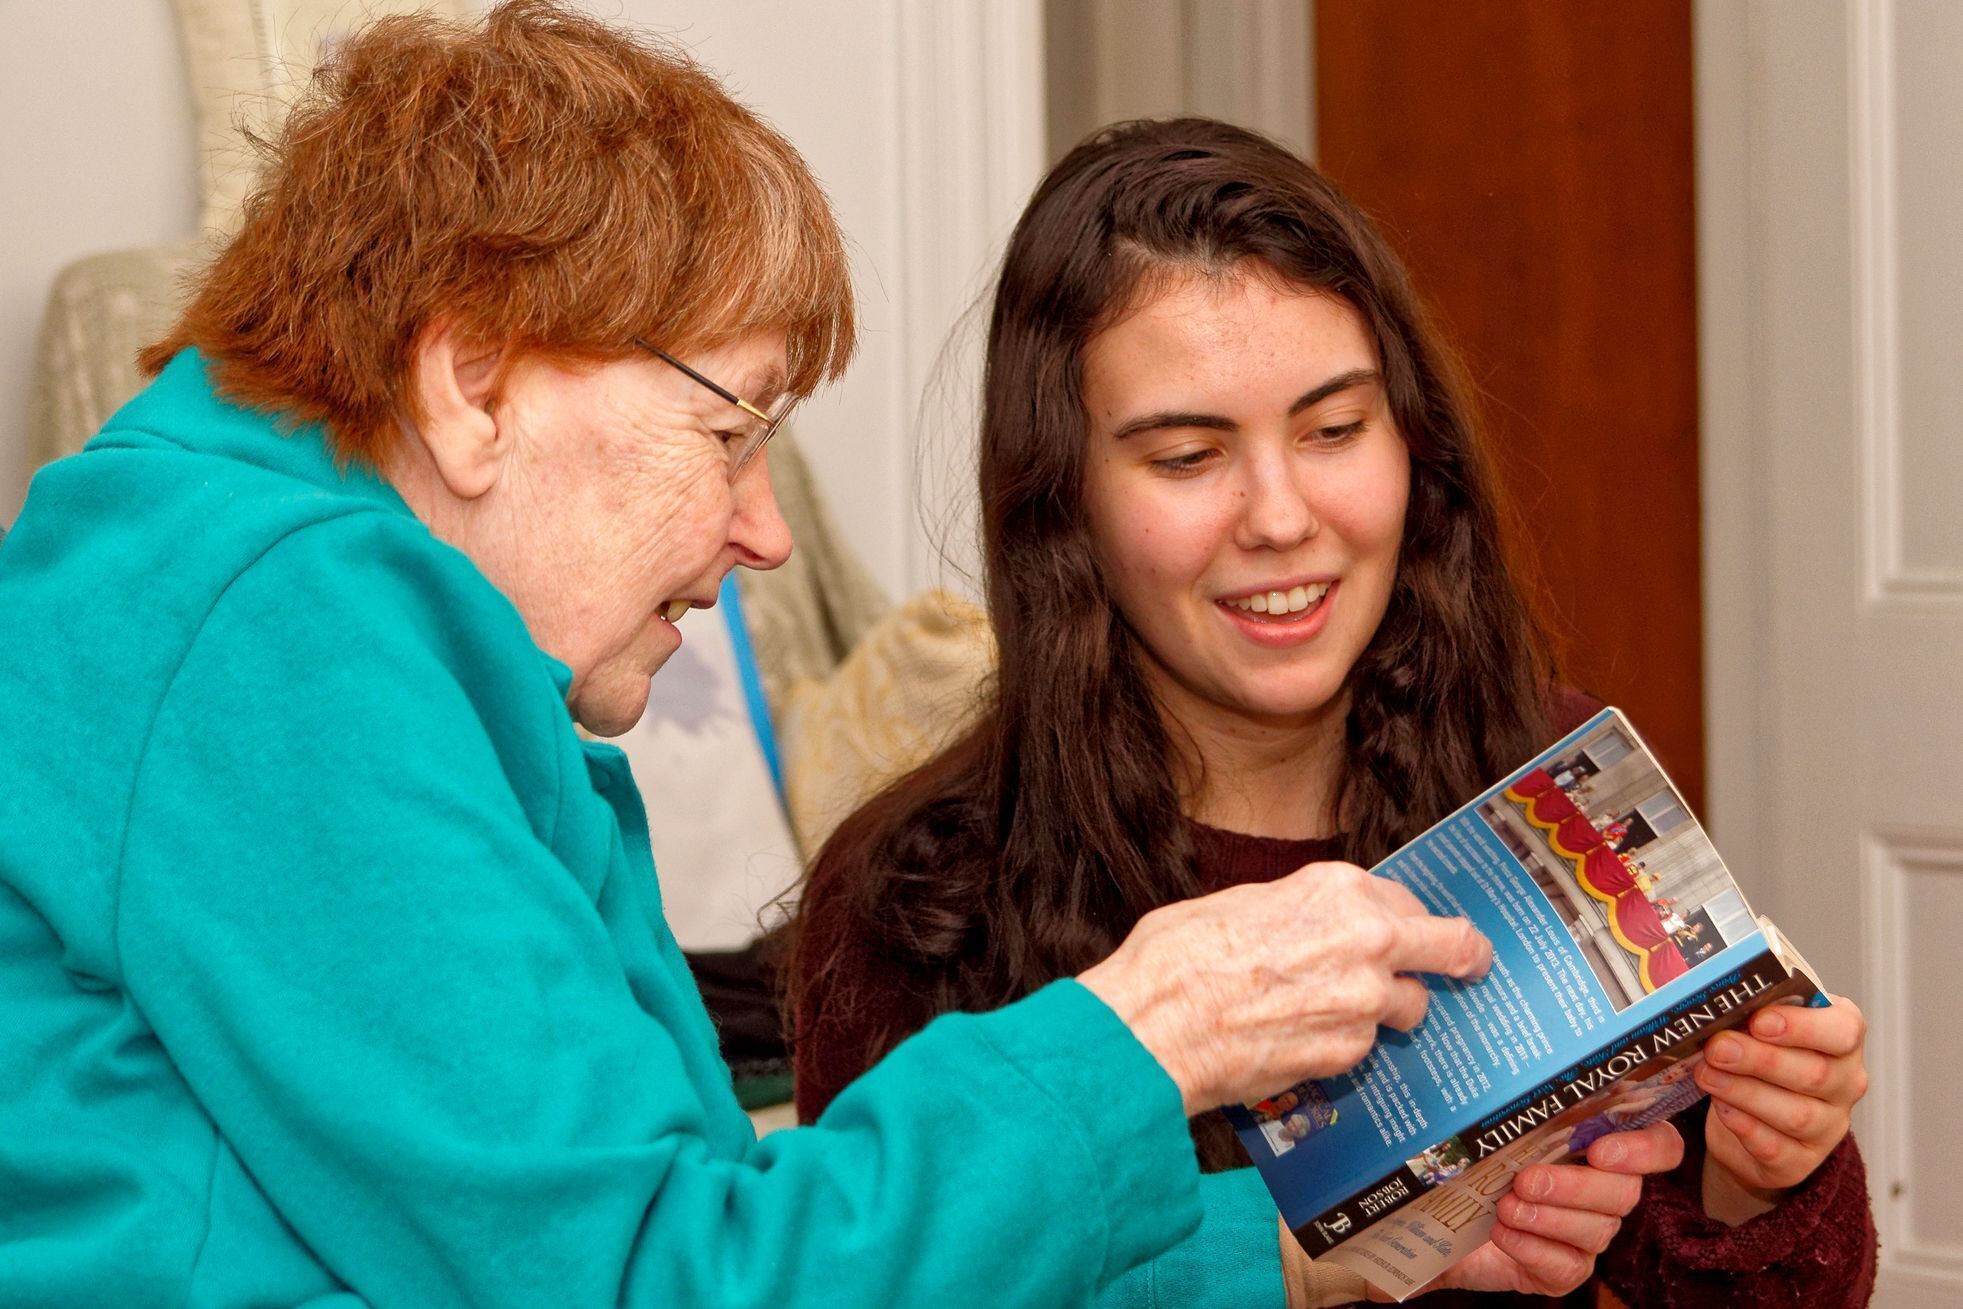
{"x": 741, "y": 443}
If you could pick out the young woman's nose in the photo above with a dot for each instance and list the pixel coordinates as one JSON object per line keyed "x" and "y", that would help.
{"x": 1277, "y": 511}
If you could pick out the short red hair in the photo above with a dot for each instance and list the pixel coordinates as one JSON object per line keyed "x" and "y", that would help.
{"x": 538, "y": 178}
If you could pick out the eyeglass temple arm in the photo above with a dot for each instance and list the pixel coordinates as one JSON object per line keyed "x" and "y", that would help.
{"x": 720, "y": 390}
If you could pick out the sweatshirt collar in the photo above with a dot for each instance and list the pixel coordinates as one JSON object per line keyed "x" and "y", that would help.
{"x": 182, "y": 408}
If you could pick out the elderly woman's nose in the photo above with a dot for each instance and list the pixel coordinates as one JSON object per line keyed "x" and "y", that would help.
{"x": 757, "y": 529}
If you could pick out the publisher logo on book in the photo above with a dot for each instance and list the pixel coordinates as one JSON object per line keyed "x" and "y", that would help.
{"x": 1334, "y": 1230}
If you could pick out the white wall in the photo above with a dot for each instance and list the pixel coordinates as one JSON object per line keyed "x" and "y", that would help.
{"x": 98, "y": 153}
{"x": 924, "y": 122}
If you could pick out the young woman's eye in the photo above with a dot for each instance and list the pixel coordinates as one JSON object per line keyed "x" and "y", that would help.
{"x": 1340, "y": 433}
{"x": 1192, "y": 461}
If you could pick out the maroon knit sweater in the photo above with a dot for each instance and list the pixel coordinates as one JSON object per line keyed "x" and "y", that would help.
{"x": 1817, "y": 1249}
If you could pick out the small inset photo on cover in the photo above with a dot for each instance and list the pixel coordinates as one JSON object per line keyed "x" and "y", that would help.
{"x": 1292, "y": 1116}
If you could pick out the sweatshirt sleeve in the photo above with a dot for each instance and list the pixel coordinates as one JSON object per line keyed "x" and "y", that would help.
{"x": 341, "y": 912}
{"x": 1232, "y": 1262}
{"x": 859, "y": 1002}
{"x": 1816, "y": 1249}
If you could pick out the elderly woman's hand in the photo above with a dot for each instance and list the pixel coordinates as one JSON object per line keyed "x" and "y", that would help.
{"x": 1259, "y": 987}
{"x": 1781, "y": 1100}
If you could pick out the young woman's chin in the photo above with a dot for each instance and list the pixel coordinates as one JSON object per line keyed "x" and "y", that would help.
{"x": 1290, "y": 707}
{"x": 1283, "y": 701}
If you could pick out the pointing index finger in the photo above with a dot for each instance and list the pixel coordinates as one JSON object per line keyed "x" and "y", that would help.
{"x": 1452, "y": 947}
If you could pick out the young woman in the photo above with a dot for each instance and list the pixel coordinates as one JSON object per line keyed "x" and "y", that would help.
{"x": 1244, "y": 570}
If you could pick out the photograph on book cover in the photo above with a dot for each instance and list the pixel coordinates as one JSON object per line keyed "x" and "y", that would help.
{"x": 1614, "y": 849}
{"x": 1293, "y": 1116}
{"x": 1668, "y": 1087}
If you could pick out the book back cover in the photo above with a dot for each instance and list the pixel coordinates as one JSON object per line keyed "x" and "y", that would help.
{"x": 1606, "y": 905}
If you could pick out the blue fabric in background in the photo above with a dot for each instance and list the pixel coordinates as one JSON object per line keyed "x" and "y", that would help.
{"x": 731, "y": 600}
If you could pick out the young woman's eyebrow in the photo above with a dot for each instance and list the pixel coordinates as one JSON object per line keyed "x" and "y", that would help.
{"x": 1172, "y": 418}
{"x": 1340, "y": 382}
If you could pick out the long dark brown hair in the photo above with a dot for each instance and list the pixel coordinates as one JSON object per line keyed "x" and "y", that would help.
{"x": 1027, "y": 850}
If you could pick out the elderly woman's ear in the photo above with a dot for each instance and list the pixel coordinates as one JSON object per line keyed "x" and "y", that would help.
{"x": 453, "y": 380}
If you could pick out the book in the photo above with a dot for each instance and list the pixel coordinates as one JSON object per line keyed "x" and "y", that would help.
{"x": 1621, "y": 945}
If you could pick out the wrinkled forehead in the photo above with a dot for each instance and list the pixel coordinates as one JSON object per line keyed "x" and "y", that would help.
{"x": 754, "y": 367}
{"x": 763, "y": 387}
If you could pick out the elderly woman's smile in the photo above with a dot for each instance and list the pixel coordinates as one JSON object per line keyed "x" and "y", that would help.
{"x": 598, "y": 497}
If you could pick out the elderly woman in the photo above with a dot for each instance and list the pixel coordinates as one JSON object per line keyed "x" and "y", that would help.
{"x": 332, "y": 963}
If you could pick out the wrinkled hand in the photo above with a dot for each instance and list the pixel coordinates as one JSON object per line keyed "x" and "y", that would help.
{"x": 1245, "y": 992}
{"x": 1559, "y": 1217}
{"x": 1781, "y": 1100}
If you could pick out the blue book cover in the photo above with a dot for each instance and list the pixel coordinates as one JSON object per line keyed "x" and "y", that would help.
{"x": 1620, "y": 944}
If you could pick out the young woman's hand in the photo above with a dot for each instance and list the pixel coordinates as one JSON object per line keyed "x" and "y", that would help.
{"x": 1559, "y": 1217}
{"x": 1243, "y": 993}
{"x": 1781, "y": 1100}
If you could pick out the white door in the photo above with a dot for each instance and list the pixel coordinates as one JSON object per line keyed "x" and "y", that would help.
{"x": 1830, "y": 179}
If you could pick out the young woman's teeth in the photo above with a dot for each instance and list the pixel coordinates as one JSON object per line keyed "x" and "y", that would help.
{"x": 1282, "y": 602}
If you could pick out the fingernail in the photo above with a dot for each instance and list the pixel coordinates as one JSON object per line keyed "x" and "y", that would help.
{"x": 1524, "y": 1214}
{"x": 1770, "y": 1023}
{"x": 1540, "y": 1185}
{"x": 1715, "y": 1080}
{"x": 1613, "y": 1151}
{"x": 1726, "y": 1051}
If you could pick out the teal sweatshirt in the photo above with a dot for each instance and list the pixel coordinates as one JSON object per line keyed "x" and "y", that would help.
{"x": 333, "y": 970}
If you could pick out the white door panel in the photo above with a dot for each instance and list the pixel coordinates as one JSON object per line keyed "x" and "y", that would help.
{"x": 1830, "y": 178}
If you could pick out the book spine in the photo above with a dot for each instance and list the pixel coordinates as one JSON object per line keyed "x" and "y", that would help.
{"x": 1568, "y": 1099}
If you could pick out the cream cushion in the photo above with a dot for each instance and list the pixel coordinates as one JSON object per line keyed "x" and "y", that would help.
{"x": 910, "y": 687}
